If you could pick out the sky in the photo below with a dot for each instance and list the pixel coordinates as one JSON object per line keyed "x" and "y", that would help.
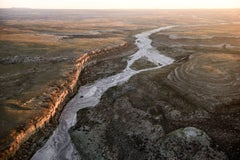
{"x": 120, "y": 4}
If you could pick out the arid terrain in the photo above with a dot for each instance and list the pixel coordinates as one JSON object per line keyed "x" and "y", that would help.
{"x": 150, "y": 115}
{"x": 40, "y": 59}
{"x": 47, "y": 54}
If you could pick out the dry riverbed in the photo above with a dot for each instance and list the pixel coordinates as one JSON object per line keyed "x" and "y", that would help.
{"x": 188, "y": 109}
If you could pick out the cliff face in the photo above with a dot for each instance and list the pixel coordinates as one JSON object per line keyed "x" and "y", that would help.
{"x": 52, "y": 103}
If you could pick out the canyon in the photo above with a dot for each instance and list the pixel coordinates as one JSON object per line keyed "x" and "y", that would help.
{"x": 118, "y": 91}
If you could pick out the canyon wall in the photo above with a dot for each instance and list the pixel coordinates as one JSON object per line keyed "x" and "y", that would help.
{"x": 52, "y": 103}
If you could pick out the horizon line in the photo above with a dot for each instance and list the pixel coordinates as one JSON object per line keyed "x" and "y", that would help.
{"x": 118, "y": 8}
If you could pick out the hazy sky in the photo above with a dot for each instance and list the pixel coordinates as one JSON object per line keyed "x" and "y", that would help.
{"x": 120, "y": 4}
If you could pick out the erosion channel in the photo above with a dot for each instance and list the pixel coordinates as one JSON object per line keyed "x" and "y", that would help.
{"x": 114, "y": 129}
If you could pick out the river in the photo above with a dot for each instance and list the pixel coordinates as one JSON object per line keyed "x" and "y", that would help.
{"x": 59, "y": 145}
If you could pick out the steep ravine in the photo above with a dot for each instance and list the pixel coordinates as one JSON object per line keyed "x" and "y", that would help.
{"x": 32, "y": 135}
{"x": 59, "y": 145}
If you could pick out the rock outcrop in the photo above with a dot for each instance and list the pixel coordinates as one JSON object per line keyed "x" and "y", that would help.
{"x": 124, "y": 132}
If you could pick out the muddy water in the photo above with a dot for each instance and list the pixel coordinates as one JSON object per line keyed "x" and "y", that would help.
{"x": 59, "y": 145}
